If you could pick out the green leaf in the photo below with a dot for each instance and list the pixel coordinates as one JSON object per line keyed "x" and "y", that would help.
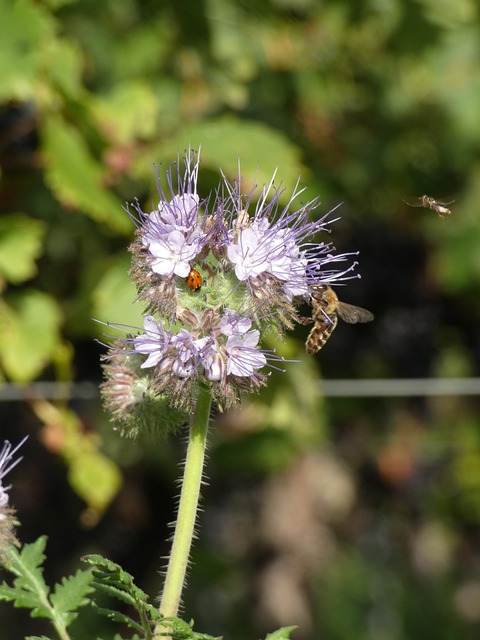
{"x": 20, "y": 245}
{"x": 183, "y": 630}
{"x": 114, "y": 298}
{"x": 70, "y": 595}
{"x": 111, "y": 579}
{"x": 111, "y": 573}
{"x": 58, "y": 4}
{"x": 261, "y": 149}
{"x": 24, "y": 28}
{"x": 37, "y": 638}
{"x": 121, "y": 618}
{"x": 29, "y": 588}
{"x": 65, "y": 61}
{"x": 281, "y": 634}
{"x": 128, "y": 112}
{"x": 76, "y": 178}
{"x": 115, "y": 592}
{"x": 29, "y": 334}
{"x": 95, "y": 478}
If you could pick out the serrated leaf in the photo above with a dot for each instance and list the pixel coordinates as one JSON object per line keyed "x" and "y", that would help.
{"x": 20, "y": 245}
{"x": 281, "y": 634}
{"x": 29, "y": 588}
{"x": 10, "y": 594}
{"x": 76, "y": 177}
{"x": 70, "y": 595}
{"x": 111, "y": 579}
{"x": 115, "y": 592}
{"x": 115, "y": 574}
{"x": 31, "y": 556}
{"x": 183, "y": 630}
{"x": 116, "y": 616}
{"x": 29, "y": 334}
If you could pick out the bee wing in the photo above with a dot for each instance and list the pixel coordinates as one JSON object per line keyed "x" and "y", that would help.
{"x": 352, "y": 314}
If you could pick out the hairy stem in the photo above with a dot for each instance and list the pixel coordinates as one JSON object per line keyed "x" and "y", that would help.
{"x": 187, "y": 510}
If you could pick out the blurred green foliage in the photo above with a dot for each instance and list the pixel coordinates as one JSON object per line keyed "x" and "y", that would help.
{"x": 370, "y": 103}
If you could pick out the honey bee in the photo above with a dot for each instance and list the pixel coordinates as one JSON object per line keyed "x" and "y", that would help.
{"x": 430, "y": 203}
{"x": 327, "y": 308}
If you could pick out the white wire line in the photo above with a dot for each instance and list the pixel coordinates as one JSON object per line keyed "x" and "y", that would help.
{"x": 12, "y": 392}
{"x": 367, "y": 388}
{"x": 400, "y": 387}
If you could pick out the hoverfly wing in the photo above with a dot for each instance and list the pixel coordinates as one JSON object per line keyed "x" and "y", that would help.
{"x": 413, "y": 202}
{"x": 353, "y": 315}
{"x": 426, "y": 202}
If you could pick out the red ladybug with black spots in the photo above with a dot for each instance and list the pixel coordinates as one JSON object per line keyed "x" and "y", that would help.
{"x": 194, "y": 280}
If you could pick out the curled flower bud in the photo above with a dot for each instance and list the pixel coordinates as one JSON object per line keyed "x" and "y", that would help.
{"x": 135, "y": 403}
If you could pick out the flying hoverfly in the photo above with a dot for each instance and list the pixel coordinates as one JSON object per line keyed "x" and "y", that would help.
{"x": 430, "y": 203}
{"x": 327, "y": 308}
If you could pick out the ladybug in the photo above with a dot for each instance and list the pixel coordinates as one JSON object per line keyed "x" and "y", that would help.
{"x": 194, "y": 280}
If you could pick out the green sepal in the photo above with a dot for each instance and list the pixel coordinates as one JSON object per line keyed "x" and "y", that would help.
{"x": 153, "y": 417}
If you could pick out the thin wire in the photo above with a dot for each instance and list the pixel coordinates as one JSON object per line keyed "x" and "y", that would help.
{"x": 10, "y": 392}
{"x": 401, "y": 387}
{"x": 367, "y": 388}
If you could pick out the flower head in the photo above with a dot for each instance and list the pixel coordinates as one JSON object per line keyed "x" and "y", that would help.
{"x": 7, "y": 514}
{"x": 7, "y": 463}
{"x": 254, "y": 264}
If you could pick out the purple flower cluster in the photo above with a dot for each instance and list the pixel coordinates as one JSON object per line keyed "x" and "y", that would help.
{"x": 7, "y": 514}
{"x": 229, "y": 349}
{"x": 6, "y": 465}
{"x": 251, "y": 265}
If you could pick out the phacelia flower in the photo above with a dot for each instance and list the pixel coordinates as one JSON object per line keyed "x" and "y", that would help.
{"x": 7, "y": 513}
{"x": 255, "y": 261}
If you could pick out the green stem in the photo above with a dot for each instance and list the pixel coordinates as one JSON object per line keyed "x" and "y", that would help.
{"x": 187, "y": 510}
{"x": 62, "y": 632}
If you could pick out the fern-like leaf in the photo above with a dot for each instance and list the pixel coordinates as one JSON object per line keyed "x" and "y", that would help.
{"x": 70, "y": 595}
{"x": 115, "y": 592}
{"x": 121, "y": 618}
{"x": 182, "y": 630}
{"x": 29, "y": 588}
{"x": 111, "y": 580}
